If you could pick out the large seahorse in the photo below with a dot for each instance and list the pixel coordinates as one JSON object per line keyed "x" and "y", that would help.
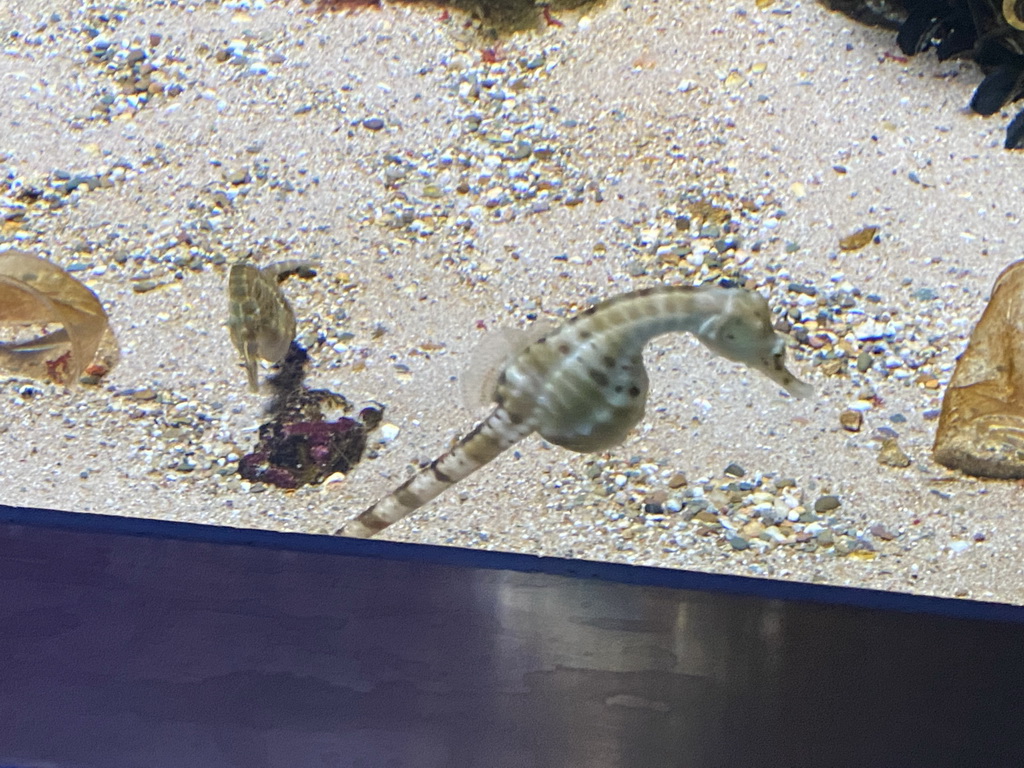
{"x": 584, "y": 387}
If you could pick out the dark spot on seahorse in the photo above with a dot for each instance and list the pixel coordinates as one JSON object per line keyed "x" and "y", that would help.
{"x": 541, "y": 340}
{"x": 645, "y": 291}
{"x": 585, "y": 335}
{"x": 588, "y": 311}
{"x": 609, "y": 361}
{"x": 599, "y": 377}
{"x": 439, "y": 474}
{"x": 564, "y": 348}
{"x": 407, "y": 498}
{"x": 634, "y": 391}
{"x": 371, "y": 521}
{"x": 472, "y": 433}
{"x": 515, "y": 418}
{"x": 618, "y": 389}
{"x": 502, "y": 379}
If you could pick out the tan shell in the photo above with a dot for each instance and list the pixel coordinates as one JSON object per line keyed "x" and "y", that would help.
{"x": 71, "y": 326}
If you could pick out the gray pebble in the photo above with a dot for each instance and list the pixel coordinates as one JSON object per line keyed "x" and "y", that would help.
{"x": 925, "y": 294}
{"x": 826, "y": 503}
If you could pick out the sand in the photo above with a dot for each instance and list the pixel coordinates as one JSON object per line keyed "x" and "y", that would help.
{"x": 639, "y": 109}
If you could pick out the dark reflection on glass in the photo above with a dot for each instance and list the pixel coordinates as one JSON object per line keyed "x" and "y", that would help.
{"x": 128, "y": 650}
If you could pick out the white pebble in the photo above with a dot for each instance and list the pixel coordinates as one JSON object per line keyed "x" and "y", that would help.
{"x": 387, "y": 433}
{"x": 872, "y": 330}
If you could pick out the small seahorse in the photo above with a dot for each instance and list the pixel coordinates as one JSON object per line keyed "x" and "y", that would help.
{"x": 584, "y": 386}
{"x": 260, "y": 319}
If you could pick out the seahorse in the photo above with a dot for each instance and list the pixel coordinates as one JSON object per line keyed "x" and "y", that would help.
{"x": 260, "y": 319}
{"x": 584, "y": 387}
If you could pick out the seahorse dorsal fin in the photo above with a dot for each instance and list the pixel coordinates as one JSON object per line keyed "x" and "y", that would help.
{"x": 492, "y": 354}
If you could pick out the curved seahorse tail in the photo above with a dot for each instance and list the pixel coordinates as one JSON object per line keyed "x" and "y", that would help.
{"x": 488, "y": 439}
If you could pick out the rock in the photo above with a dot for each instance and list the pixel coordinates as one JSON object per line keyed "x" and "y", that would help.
{"x": 677, "y": 480}
{"x": 298, "y": 445}
{"x": 752, "y": 530}
{"x": 871, "y": 330}
{"x": 981, "y": 426}
{"x": 737, "y": 542}
{"x": 891, "y": 455}
{"x": 879, "y": 531}
{"x": 656, "y": 498}
{"x": 851, "y": 420}
{"x": 237, "y": 176}
{"x": 826, "y": 503}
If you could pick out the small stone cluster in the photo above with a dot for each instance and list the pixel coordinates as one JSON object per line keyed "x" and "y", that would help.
{"x": 131, "y": 72}
{"x": 740, "y": 510}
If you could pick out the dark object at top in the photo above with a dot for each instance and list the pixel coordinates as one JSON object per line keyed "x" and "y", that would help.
{"x": 502, "y": 16}
{"x": 989, "y": 32}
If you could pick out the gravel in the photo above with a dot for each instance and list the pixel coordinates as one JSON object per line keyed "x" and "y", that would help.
{"x": 448, "y": 185}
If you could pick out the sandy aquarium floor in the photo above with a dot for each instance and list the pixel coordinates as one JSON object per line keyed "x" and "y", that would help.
{"x": 449, "y": 184}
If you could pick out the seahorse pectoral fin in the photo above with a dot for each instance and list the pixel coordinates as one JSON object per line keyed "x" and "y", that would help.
{"x": 494, "y": 352}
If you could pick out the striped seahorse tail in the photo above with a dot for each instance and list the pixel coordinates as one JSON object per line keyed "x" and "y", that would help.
{"x": 488, "y": 439}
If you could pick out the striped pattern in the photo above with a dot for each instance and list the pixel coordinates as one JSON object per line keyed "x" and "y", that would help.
{"x": 260, "y": 320}
{"x": 584, "y": 386}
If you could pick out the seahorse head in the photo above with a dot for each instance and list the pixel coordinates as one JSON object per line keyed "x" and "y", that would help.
{"x": 742, "y": 332}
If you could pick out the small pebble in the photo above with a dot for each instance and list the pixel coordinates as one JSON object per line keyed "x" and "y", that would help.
{"x": 891, "y": 455}
{"x": 851, "y": 420}
{"x": 737, "y": 542}
{"x": 826, "y": 503}
{"x": 879, "y": 531}
{"x": 677, "y": 480}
